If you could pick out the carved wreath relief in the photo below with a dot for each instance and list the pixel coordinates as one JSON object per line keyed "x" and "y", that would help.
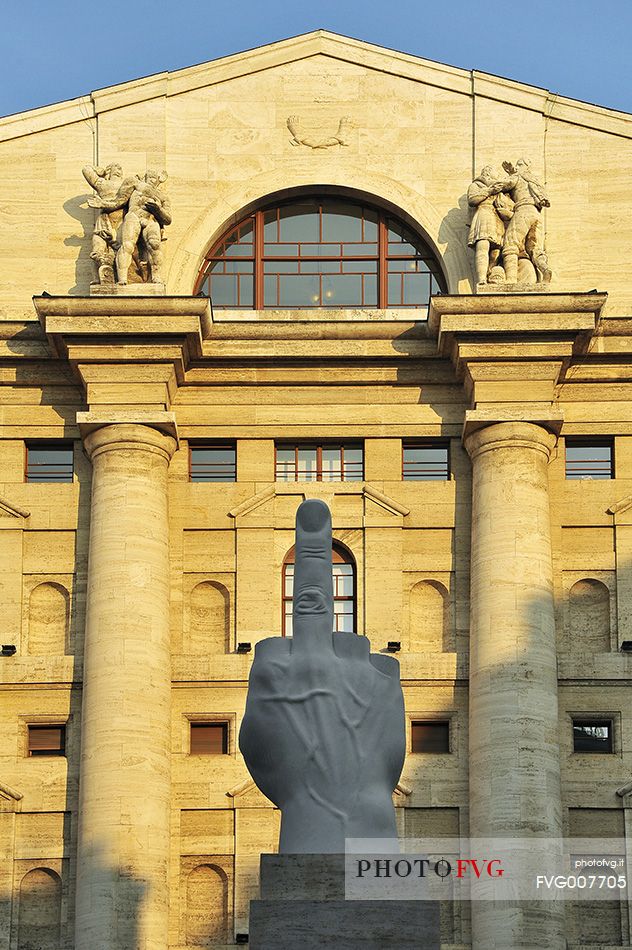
{"x": 318, "y": 140}
{"x": 129, "y": 228}
{"x": 506, "y": 229}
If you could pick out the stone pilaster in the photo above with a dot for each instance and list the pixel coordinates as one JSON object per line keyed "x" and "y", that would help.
{"x": 514, "y": 751}
{"x": 123, "y": 846}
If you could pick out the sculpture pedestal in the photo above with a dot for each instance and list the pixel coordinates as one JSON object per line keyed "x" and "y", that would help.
{"x": 303, "y": 905}
{"x": 127, "y": 290}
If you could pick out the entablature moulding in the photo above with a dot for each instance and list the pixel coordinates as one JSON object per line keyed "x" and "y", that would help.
{"x": 510, "y": 351}
{"x": 465, "y": 328}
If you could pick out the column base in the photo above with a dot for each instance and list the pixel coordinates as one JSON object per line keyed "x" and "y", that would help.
{"x": 303, "y": 904}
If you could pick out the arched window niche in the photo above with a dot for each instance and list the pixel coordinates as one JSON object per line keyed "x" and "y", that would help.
{"x": 329, "y": 250}
{"x": 343, "y": 569}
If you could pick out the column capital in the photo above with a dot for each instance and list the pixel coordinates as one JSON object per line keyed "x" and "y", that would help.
{"x": 515, "y": 433}
{"x": 120, "y": 436}
{"x": 545, "y": 416}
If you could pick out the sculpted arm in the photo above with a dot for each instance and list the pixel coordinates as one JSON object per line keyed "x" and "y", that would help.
{"x": 477, "y": 192}
{"x": 119, "y": 200}
{"x": 162, "y": 212}
{"x": 92, "y": 174}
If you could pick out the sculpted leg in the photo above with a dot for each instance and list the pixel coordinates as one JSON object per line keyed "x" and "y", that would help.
{"x": 534, "y": 245}
{"x": 482, "y": 261}
{"x": 153, "y": 243}
{"x": 103, "y": 257}
{"x": 129, "y": 237}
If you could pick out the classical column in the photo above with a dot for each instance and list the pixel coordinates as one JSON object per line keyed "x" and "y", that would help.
{"x": 123, "y": 845}
{"x": 513, "y": 732}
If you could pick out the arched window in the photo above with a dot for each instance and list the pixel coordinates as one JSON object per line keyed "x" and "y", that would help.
{"x": 320, "y": 252}
{"x": 344, "y": 578}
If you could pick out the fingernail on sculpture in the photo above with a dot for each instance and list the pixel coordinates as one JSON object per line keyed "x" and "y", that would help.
{"x": 323, "y": 734}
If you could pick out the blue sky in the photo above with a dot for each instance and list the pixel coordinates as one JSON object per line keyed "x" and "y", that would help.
{"x": 58, "y": 49}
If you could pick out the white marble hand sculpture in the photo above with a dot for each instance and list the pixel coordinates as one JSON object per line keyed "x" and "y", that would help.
{"x": 323, "y": 734}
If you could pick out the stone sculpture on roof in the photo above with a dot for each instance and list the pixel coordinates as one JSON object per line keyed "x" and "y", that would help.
{"x": 106, "y": 182}
{"x": 507, "y": 226}
{"x": 130, "y": 224}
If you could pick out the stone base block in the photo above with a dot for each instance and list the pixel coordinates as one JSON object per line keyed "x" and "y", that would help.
{"x": 127, "y": 290}
{"x": 538, "y": 288}
{"x": 302, "y": 905}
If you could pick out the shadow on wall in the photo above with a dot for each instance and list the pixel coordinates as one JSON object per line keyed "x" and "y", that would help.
{"x": 42, "y": 919}
{"x": 453, "y": 233}
{"x": 78, "y": 209}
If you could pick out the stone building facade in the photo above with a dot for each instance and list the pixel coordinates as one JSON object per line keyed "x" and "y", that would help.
{"x": 128, "y": 586}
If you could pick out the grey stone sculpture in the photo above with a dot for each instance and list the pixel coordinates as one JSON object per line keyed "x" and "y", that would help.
{"x": 323, "y": 733}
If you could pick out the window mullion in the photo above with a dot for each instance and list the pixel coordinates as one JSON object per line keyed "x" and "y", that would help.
{"x": 258, "y": 249}
{"x": 382, "y": 278}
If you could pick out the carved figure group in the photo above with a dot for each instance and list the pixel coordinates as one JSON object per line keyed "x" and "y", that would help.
{"x": 507, "y": 225}
{"x": 133, "y": 213}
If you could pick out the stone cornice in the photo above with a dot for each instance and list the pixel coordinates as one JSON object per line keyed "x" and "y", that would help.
{"x": 128, "y": 352}
{"x": 514, "y": 329}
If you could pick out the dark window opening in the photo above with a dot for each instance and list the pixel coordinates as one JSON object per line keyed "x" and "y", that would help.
{"x": 209, "y": 738}
{"x": 213, "y": 462}
{"x": 590, "y": 735}
{"x": 425, "y": 462}
{"x": 589, "y": 459}
{"x": 46, "y": 740}
{"x": 329, "y": 462}
{"x": 430, "y": 736}
{"x": 49, "y": 463}
{"x": 313, "y": 252}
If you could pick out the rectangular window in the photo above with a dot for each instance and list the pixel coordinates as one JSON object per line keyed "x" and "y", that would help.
{"x": 592, "y": 735}
{"x": 432, "y": 735}
{"x": 329, "y": 462}
{"x": 593, "y": 459}
{"x": 209, "y": 738}
{"x": 425, "y": 462}
{"x": 47, "y": 740}
{"x": 213, "y": 462}
{"x": 52, "y": 462}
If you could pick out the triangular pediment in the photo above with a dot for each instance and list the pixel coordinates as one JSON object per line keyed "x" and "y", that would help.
{"x": 7, "y": 510}
{"x": 9, "y": 798}
{"x": 318, "y": 43}
{"x": 622, "y": 510}
{"x": 401, "y": 794}
{"x": 262, "y": 504}
{"x": 247, "y": 795}
{"x": 247, "y": 790}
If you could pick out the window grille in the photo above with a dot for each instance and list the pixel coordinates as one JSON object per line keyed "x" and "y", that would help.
{"x": 320, "y": 252}
{"x": 329, "y": 462}
{"x": 213, "y": 462}
{"x": 425, "y": 462}
{"x": 49, "y": 463}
